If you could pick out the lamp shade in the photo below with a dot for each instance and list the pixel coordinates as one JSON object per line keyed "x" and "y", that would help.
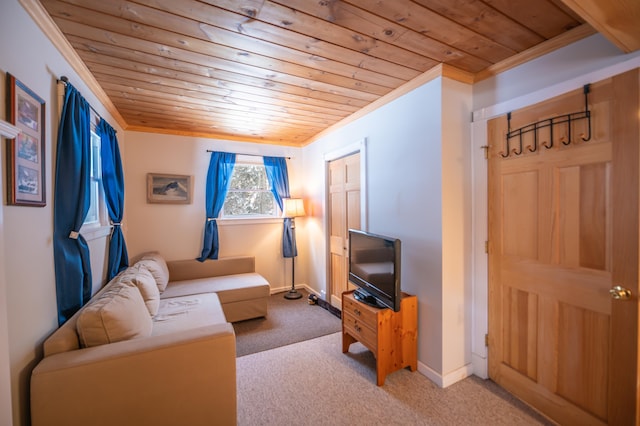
{"x": 293, "y": 207}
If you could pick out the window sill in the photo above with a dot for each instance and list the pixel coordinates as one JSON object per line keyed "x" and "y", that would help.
{"x": 95, "y": 232}
{"x": 248, "y": 221}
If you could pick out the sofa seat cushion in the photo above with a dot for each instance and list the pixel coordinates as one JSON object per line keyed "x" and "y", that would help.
{"x": 181, "y": 313}
{"x": 119, "y": 313}
{"x": 229, "y": 288}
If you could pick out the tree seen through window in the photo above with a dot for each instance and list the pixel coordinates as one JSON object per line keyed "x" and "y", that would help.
{"x": 249, "y": 193}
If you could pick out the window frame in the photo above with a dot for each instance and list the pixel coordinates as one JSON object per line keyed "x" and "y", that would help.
{"x": 100, "y": 228}
{"x": 275, "y": 217}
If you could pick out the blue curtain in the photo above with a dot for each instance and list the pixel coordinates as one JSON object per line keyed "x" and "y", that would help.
{"x": 276, "y": 168}
{"x": 218, "y": 179}
{"x": 72, "y": 198}
{"x": 113, "y": 183}
{"x": 278, "y": 176}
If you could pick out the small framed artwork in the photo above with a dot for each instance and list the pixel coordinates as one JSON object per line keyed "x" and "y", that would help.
{"x": 26, "y": 180}
{"x": 168, "y": 189}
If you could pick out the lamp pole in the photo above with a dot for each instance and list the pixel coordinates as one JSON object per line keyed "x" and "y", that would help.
{"x": 293, "y": 293}
{"x": 293, "y": 207}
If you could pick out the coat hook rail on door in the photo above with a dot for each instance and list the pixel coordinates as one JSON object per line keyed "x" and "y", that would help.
{"x": 550, "y": 123}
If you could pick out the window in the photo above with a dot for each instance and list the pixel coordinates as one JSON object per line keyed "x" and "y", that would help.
{"x": 249, "y": 193}
{"x": 97, "y": 214}
{"x": 93, "y": 215}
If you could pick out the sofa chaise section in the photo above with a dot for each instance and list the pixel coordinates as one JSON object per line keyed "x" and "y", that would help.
{"x": 243, "y": 293}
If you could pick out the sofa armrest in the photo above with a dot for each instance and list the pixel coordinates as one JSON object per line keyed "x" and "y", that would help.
{"x": 191, "y": 269}
{"x": 179, "y": 378}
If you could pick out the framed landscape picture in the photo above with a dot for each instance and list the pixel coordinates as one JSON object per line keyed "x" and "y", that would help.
{"x": 26, "y": 180}
{"x": 168, "y": 189}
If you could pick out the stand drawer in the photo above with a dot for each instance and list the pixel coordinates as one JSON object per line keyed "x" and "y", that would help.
{"x": 361, "y": 332}
{"x": 365, "y": 314}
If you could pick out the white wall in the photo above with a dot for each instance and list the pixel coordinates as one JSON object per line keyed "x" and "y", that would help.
{"x": 580, "y": 58}
{"x": 176, "y": 231}
{"x": 456, "y": 235}
{"x": 28, "y": 269}
{"x": 404, "y": 193}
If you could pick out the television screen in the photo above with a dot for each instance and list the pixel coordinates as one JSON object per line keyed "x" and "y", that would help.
{"x": 374, "y": 267}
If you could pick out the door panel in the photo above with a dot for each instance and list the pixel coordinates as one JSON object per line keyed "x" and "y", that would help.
{"x": 337, "y": 237}
{"x": 583, "y": 341}
{"x": 344, "y": 208}
{"x": 520, "y": 205}
{"x": 563, "y": 229}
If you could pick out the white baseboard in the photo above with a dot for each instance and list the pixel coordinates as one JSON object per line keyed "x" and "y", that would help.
{"x": 312, "y": 291}
{"x": 283, "y": 288}
{"x": 448, "y": 379}
{"x": 274, "y": 290}
{"x": 480, "y": 366}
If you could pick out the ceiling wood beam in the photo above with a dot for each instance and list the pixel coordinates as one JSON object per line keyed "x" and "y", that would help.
{"x": 617, "y": 20}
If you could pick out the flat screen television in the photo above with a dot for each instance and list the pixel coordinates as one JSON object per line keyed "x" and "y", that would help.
{"x": 374, "y": 267}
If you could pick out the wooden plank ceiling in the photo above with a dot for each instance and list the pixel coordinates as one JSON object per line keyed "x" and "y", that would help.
{"x": 282, "y": 71}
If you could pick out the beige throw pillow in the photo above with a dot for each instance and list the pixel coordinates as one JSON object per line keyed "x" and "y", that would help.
{"x": 158, "y": 268}
{"x": 140, "y": 277}
{"x": 119, "y": 313}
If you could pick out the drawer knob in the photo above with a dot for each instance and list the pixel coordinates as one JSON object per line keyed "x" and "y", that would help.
{"x": 357, "y": 327}
{"x": 357, "y": 311}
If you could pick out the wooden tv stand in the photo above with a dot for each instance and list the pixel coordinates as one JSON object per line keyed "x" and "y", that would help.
{"x": 391, "y": 336}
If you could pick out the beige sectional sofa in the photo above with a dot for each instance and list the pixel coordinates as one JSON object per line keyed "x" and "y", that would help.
{"x": 153, "y": 347}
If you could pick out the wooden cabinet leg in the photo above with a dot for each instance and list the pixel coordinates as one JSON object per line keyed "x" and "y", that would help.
{"x": 380, "y": 376}
{"x": 347, "y": 340}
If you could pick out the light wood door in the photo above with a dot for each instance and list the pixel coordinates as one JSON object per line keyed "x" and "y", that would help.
{"x": 563, "y": 229}
{"x": 344, "y": 213}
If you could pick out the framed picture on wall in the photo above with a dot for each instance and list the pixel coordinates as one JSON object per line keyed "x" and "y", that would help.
{"x": 168, "y": 189}
{"x": 26, "y": 180}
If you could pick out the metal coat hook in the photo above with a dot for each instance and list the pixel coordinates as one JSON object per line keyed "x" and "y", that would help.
{"x": 567, "y": 119}
{"x": 535, "y": 143}
{"x": 586, "y": 89}
{"x": 549, "y": 144}
{"x": 509, "y": 150}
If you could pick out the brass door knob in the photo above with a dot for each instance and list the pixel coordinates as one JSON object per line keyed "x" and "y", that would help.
{"x": 620, "y": 293}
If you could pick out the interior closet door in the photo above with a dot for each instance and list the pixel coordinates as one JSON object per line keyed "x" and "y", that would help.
{"x": 344, "y": 213}
{"x": 563, "y": 234}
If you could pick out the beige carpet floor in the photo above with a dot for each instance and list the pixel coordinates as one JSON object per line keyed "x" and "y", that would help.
{"x": 287, "y": 322}
{"x": 314, "y": 383}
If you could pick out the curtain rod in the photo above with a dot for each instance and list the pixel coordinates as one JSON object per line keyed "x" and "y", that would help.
{"x": 248, "y": 155}
{"x": 64, "y": 80}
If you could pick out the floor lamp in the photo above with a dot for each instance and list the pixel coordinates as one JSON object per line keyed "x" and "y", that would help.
{"x": 293, "y": 207}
